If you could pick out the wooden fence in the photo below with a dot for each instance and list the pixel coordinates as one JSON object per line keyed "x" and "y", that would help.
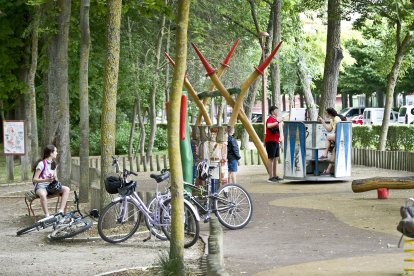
{"x": 391, "y": 160}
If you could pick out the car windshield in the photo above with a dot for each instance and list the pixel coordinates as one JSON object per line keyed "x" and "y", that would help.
{"x": 344, "y": 110}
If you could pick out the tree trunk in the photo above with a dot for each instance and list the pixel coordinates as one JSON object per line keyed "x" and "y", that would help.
{"x": 22, "y": 112}
{"x": 274, "y": 66}
{"x": 391, "y": 82}
{"x": 84, "y": 102}
{"x": 33, "y": 139}
{"x": 113, "y": 33}
{"x": 152, "y": 107}
{"x": 132, "y": 131}
{"x": 350, "y": 100}
{"x": 305, "y": 79}
{"x": 333, "y": 56}
{"x": 58, "y": 110}
{"x": 177, "y": 199}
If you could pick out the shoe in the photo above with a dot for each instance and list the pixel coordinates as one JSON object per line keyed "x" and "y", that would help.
{"x": 277, "y": 178}
{"x": 325, "y": 173}
{"x": 270, "y": 180}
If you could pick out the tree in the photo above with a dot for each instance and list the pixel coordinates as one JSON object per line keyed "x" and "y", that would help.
{"x": 333, "y": 56}
{"x": 108, "y": 120}
{"x": 177, "y": 199}
{"x": 84, "y": 101}
{"x": 57, "y": 111}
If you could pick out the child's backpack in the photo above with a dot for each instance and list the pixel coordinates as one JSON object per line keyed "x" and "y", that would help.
{"x": 406, "y": 224}
{"x": 41, "y": 173}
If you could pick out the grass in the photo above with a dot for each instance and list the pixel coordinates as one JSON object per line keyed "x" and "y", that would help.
{"x": 17, "y": 173}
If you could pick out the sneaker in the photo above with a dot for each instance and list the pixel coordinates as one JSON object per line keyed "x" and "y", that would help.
{"x": 277, "y": 178}
{"x": 270, "y": 180}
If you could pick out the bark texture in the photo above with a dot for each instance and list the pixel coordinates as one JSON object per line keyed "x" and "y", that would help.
{"x": 110, "y": 90}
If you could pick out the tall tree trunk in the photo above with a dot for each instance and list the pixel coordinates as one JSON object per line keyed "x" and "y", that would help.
{"x": 305, "y": 79}
{"x": 23, "y": 113}
{"x": 152, "y": 107}
{"x": 274, "y": 66}
{"x": 391, "y": 82}
{"x": 84, "y": 101}
{"x": 333, "y": 56}
{"x": 113, "y": 33}
{"x": 58, "y": 111}
{"x": 177, "y": 199}
{"x": 132, "y": 131}
{"x": 32, "y": 135}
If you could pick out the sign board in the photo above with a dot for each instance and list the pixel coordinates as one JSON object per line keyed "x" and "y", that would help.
{"x": 13, "y": 137}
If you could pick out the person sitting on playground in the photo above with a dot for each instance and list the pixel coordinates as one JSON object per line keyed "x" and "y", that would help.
{"x": 44, "y": 173}
{"x": 233, "y": 155}
{"x": 331, "y": 136}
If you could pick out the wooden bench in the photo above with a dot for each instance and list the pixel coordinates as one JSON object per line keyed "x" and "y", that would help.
{"x": 30, "y": 196}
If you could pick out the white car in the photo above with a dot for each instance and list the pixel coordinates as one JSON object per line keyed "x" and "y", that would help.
{"x": 406, "y": 114}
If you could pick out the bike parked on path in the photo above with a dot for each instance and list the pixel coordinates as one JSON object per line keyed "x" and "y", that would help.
{"x": 121, "y": 218}
{"x": 231, "y": 203}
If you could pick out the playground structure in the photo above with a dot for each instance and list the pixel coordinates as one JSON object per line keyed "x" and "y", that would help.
{"x": 212, "y": 140}
{"x": 304, "y": 143}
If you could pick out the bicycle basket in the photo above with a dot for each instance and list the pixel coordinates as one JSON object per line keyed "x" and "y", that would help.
{"x": 112, "y": 184}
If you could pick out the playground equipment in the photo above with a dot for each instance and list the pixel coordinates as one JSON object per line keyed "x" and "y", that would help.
{"x": 304, "y": 143}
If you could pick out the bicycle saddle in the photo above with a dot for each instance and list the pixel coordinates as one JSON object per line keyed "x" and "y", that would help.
{"x": 160, "y": 177}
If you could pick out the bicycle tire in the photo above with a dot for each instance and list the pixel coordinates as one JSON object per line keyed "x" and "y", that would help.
{"x": 70, "y": 230}
{"x": 114, "y": 225}
{"x": 155, "y": 230}
{"x": 37, "y": 225}
{"x": 233, "y": 206}
{"x": 191, "y": 224}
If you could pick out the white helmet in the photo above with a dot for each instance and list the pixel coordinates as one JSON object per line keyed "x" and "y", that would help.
{"x": 202, "y": 170}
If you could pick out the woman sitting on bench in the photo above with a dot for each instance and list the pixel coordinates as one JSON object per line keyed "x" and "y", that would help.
{"x": 44, "y": 173}
{"x": 331, "y": 136}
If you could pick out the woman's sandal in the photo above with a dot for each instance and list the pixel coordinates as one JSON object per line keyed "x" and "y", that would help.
{"x": 325, "y": 172}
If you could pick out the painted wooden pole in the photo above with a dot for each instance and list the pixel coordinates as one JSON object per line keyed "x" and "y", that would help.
{"x": 242, "y": 116}
{"x": 220, "y": 71}
{"x": 246, "y": 84}
{"x": 192, "y": 92}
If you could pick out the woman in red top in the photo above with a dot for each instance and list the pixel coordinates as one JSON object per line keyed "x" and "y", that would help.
{"x": 272, "y": 141}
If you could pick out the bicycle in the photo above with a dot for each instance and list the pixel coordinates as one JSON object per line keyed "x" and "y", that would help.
{"x": 120, "y": 219}
{"x": 66, "y": 225}
{"x": 231, "y": 203}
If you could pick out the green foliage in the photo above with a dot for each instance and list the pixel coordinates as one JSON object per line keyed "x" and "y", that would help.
{"x": 239, "y": 128}
{"x": 400, "y": 137}
{"x": 169, "y": 266}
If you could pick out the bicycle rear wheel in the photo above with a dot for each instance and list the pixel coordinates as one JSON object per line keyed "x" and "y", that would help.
{"x": 191, "y": 224}
{"x": 233, "y": 206}
{"x": 119, "y": 221}
{"x": 155, "y": 230}
{"x": 36, "y": 226}
{"x": 70, "y": 230}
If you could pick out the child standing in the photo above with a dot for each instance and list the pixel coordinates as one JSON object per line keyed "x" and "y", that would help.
{"x": 233, "y": 154}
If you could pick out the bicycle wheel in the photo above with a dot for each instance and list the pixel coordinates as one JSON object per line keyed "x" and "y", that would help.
{"x": 191, "y": 224}
{"x": 119, "y": 221}
{"x": 36, "y": 226}
{"x": 233, "y": 206}
{"x": 70, "y": 230}
{"x": 156, "y": 211}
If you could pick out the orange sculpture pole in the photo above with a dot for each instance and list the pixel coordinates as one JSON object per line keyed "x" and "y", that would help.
{"x": 245, "y": 85}
{"x": 220, "y": 71}
{"x": 242, "y": 116}
{"x": 190, "y": 89}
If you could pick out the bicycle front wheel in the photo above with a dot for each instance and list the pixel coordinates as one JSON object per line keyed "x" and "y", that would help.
{"x": 42, "y": 224}
{"x": 119, "y": 221}
{"x": 70, "y": 230}
{"x": 191, "y": 224}
{"x": 233, "y": 206}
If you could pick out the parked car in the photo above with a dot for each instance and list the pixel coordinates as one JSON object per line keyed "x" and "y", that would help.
{"x": 351, "y": 112}
{"x": 406, "y": 114}
{"x": 357, "y": 120}
{"x": 257, "y": 118}
{"x": 374, "y": 116}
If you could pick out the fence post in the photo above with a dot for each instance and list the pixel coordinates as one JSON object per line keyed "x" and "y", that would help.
{"x": 151, "y": 163}
{"x": 215, "y": 249}
{"x": 144, "y": 162}
{"x": 251, "y": 157}
{"x": 157, "y": 157}
{"x": 165, "y": 161}
{"x": 245, "y": 156}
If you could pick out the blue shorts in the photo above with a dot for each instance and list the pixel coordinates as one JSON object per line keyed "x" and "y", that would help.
{"x": 232, "y": 165}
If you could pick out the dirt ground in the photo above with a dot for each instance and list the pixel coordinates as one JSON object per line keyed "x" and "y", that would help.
{"x": 296, "y": 229}
{"x": 34, "y": 254}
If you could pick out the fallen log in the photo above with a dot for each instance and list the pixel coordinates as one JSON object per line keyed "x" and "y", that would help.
{"x": 367, "y": 184}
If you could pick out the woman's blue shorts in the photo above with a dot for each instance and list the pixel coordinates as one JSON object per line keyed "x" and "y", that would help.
{"x": 233, "y": 164}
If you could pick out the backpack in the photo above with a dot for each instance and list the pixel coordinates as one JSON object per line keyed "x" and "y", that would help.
{"x": 406, "y": 224}
{"x": 41, "y": 173}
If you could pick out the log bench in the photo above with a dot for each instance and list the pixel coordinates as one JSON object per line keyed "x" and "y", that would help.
{"x": 30, "y": 197}
{"x": 381, "y": 183}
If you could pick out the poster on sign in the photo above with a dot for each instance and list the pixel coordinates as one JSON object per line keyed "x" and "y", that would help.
{"x": 13, "y": 137}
